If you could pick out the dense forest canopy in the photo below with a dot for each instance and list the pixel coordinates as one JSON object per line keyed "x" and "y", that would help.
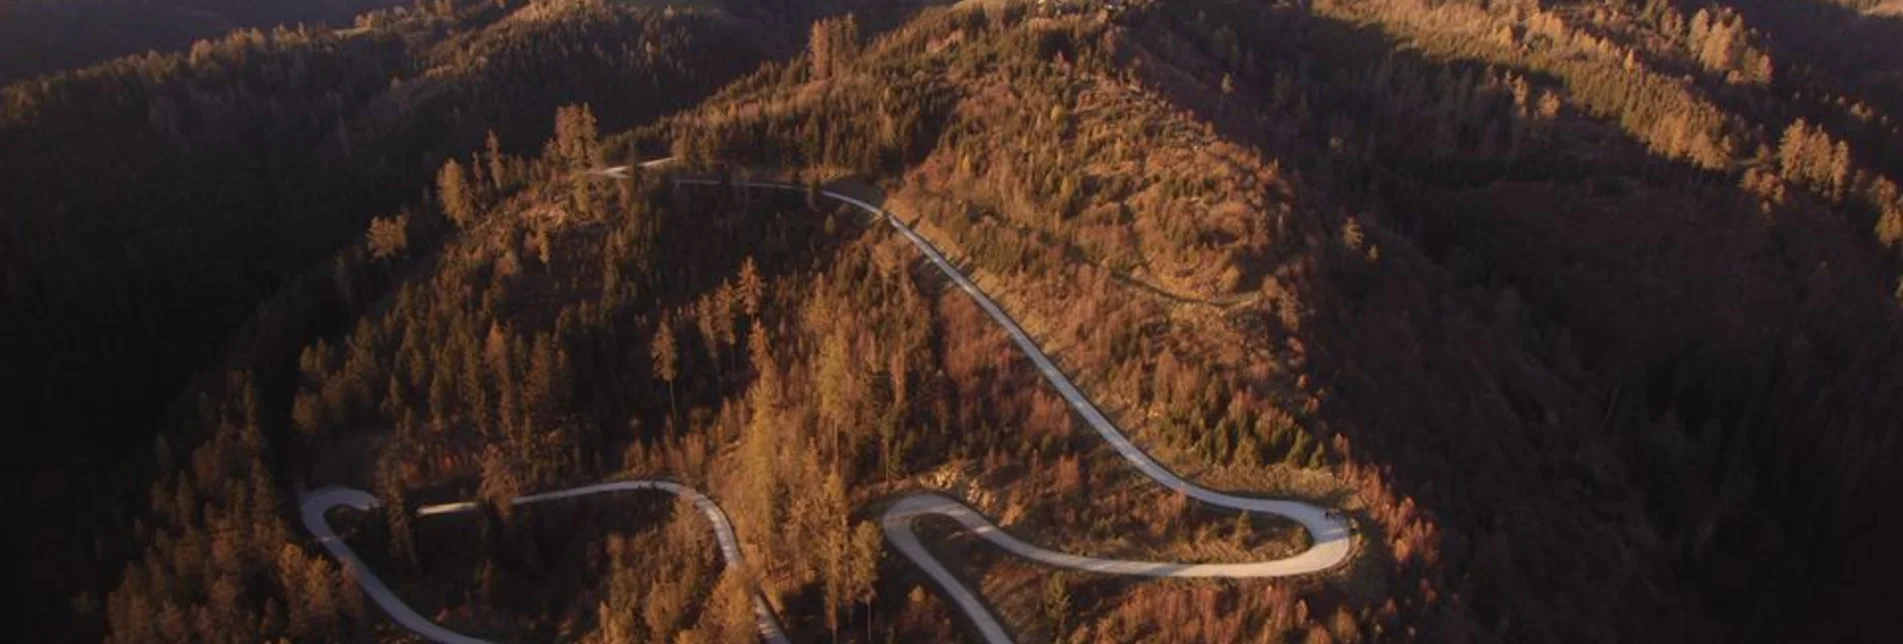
{"x": 1587, "y": 315}
{"x": 154, "y": 201}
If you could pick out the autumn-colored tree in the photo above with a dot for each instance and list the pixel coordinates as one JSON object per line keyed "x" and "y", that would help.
{"x": 498, "y": 164}
{"x": 388, "y": 236}
{"x": 838, "y": 388}
{"x": 1057, "y": 604}
{"x": 824, "y": 520}
{"x": 729, "y": 615}
{"x": 454, "y": 193}
{"x": 396, "y": 507}
{"x": 311, "y": 585}
{"x": 833, "y": 45}
{"x": 500, "y": 482}
{"x": 760, "y": 353}
{"x": 616, "y": 616}
{"x": 820, "y": 46}
{"x": 1069, "y": 477}
{"x": 862, "y": 566}
{"x": 752, "y": 287}
{"x": 664, "y": 352}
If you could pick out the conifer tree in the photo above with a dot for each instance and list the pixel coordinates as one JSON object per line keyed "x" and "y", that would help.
{"x": 752, "y": 289}
{"x": 453, "y": 191}
{"x": 665, "y": 354}
{"x": 498, "y": 165}
{"x": 388, "y": 236}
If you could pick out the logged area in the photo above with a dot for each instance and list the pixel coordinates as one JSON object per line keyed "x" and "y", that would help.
{"x": 1066, "y": 321}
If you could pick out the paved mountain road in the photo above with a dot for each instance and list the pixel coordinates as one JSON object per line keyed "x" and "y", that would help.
{"x": 1331, "y": 537}
{"x": 321, "y": 501}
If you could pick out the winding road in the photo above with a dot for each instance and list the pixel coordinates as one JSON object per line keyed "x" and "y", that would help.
{"x": 317, "y": 503}
{"x": 1331, "y": 537}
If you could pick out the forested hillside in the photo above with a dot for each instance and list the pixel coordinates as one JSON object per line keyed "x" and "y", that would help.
{"x": 1569, "y": 322}
{"x": 1587, "y": 316}
{"x": 153, "y": 201}
{"x": 43, "y": 36}
{"x": 574, "y": 327}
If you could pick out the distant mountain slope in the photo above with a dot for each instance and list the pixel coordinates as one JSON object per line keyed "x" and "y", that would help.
{"x": 44, "y": 36}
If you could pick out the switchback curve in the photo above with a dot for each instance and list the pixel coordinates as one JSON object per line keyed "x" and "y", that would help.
{"x": 317, "y": 503}
{"x": 1331, "y": 537}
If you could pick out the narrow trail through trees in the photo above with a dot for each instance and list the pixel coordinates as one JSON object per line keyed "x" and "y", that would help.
{"x": 1330, "y": 535}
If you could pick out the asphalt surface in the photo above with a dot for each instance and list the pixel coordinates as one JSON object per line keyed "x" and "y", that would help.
{"x": 1331, "y": 537}
{"x": 317, "y": 503}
